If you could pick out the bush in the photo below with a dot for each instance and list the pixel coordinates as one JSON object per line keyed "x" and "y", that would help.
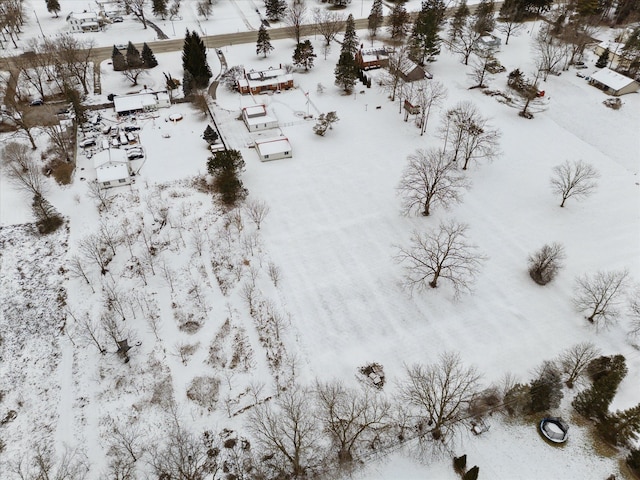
{"x": 546, "y": 390}
{"x": 517, "y": 400}
{"x": 545, "y": 263}
{"x": 204, "y": 392}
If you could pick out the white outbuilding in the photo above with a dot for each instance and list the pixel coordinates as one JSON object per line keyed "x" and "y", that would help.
{"x": 255, "y": 118}
{"x": 613, "y": 83}
{"x": 112, "y": 168}
{"x": 274, "y": 149}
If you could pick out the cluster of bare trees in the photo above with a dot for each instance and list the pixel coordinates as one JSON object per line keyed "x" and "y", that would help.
{"x": 12, "y": 18}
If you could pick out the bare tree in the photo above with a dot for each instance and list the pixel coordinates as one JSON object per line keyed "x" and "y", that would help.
{"x": 430, "y": 179}
{"x": 109, "y": 236}
{"x": 426, "y": 95}
{"x": 391, "y": 79}
{"x": 125, "y": 438}
{"x": 22, "y": 170}
{"x": 288, "y": 431}
{"x": 438, "y": 395}
{"x": 550, "y": 51}
{"x": 274, "y": 273}
{"x": 353, "y": 418}
{"x": 442, "y": 253}
{"x": 573, "y": 179}
{"x": 510, "y": 19}
{"x": 256, "y": 210}
{"x": 466, "y": 41}
{"x": 545, "y": 263}
{"x": 328, "y": 23}
{"x": 184, "y": 456}
{"x": 137, "y": 8}
{"x": 92, "y": 250}
{"x": 99, "y": 194}
{"x": 634, "y": 313}
{"x": 25, "y": 118}
{"x": 575, "y": 360}
{"x": 115, "y": 300}
{"x": 73, "y": 59}
{"x": 468, "y": 135}
{"x": 294, "y": 17}
{"x": 204, "y": 8}
{"x": 133, "y": 73}
{"x": 599, "y": 295}
{"x": 89, "y": 330}
{"x": 61, "y": 141}
{"x": 42, "y": 463}
{"x": 480, "y": 67}
{"x": 76, "y": 269}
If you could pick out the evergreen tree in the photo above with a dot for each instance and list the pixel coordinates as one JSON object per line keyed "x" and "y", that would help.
{"x": 47, "y": 218}
{"x": 210, "y": 135}
{"x": 546, "y": 390}
{"x": 459, "y": 20}
{"x": 631, "y": 51}
{"x": 325, "y": 122}
{"x": 621, "y": 427}
{"x": 275, "y": 9}
{"x": 425, "y": 41}
{"x": 148, "y": 58}
{"x": 160, "y": 8}
{"x": 303, "y": 55}
{"x": 376, "y": 17}
{"x": 346, "y": 70}
{"x": 633, "y": 460}
{"x": 484, "y": 21}
{"x": 187, "y": 84}
{"x": 133, "y": 56}
{"x": 263, "y": 45}
{"x": 603, "y": 60}
{"x": 194, "y": 60}
{"x": 117, "y": 60}
{"x": 229, "y": 186}
{"x": 472, "y": 474}
{"x": 398, "y": 21}
{"x": 225, "y": 160}
{"x": 606, "y": 374}
{"x": 53, "y": 6}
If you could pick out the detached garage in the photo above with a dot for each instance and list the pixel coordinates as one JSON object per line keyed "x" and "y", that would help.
{"x": 613, "y": 83}
{"x": 274, "y": 149}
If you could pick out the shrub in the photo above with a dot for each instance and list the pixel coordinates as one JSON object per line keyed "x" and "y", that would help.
{"x": 606, "y": 374}
{"x": 545, "y": 263}
{"x": 546, "y": 390}
{"x": 517, "y": 400}
{"x": 204, "y": 392}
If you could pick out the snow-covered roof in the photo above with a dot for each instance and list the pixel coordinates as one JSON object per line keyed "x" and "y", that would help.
{"x": 254, "y": 111}
{"x": 261, "y": 119}
{"x": 82, "y": 16}
{"x": 611, "y": 79}
{"x": 373, "y": 54}
{"x": 113, "y": 155}
{"x": 266, "y": 77}
{"x": 274, "y": 145}
{"x": 112, "y": 171}
{"x": 127, "y": 103}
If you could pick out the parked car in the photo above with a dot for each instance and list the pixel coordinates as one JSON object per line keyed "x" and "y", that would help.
{"x": 117, "y": 20}
{"x": 106, "y": 129}
{"x": 115, "y": 143}
{"x": 89, "y": 142}
{"x": 36, "y": 102}
{"x": 115, "y": 131}
{"x": 121, "y": 46}
{"x": 131, "y": 128}
{"x": 123, "y": 139}
{"x": 131, "y": 137}
{"x": 582, "y": 66}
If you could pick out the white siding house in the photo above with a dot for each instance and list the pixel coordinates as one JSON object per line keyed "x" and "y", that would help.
{"x": 84, "y": 22}
{"x": 112, "y": 168}
{"x": 255, "y": 118}
{"x": 141, "y": 102}
{"x": 274, "y": 149}
{"x": 613, "y": 83}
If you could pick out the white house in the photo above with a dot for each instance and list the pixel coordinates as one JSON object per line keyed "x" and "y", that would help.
{"x": 112, "y": 168}
{"x": 255, "y": 118}
{"x": 84, "y": 21}
{"x": 141, "y": 102}
{"x": 613, "y": 83}
{"x": 274, "y": 149}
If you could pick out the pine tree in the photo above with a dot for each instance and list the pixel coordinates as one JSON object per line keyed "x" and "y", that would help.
{"x": 133, "y": 56}
{"x": 160, "y": 8}
{"x": 484, "y": 21}
{"x": 118, "y": 61}
{"x": 194, "y": 60}
{"x": 346, "y": 70}
{"x": 275, "y": 9}
{"x": 303, "y": 55}
{"x": 398, "y": 21}
{"x": 621, "y": 427}
{"x": 47, "y": 218}
{"x": 187, "y": 84}
{"x": 546, "y": 390}
{"x": 148, "y": 58}
{"x": 263, "y": 45}
{"x": 210, "y": 135}
{"x": 603, "y": 59}
{"x": 472, "y": 474}
{"x": 606, "y": 374}
{"x": 53, "y": 6}
{"x": 376, "y": 17}
{"x": 425, "y": 42}
{"x": 459, "y": 20}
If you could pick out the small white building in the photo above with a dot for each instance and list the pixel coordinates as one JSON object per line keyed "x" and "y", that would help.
{"x": 274, "y": 149}
{"x": 613, "y": 83}
{"x": 112, "y": 168}
{"x": 255, "y": 118}
{"x": 488, "y": 42}
{"x": 84, "y": 22}
{"x": 141, "y": 102}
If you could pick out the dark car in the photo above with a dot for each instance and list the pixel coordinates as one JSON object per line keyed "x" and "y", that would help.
{"x": 37, "y": 102}
{"x": 131, "y": 128}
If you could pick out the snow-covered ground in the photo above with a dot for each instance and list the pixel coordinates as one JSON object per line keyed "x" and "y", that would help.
{"x": 333, "y": 223}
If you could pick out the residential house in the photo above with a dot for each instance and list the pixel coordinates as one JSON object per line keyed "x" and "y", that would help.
{"x": 411, "y": 71}
{"x": 272, "y": 79}
{"x": 617, "y": 55}
{"x": 370, "y": 58}
{"x": 255, "y": 118}
{"x": 613, "y": 83}
{"x": 273, "y": 149}
{"x": 112, "y": 168}
{"x": 141, "y": 102}
{"x": 84, "y": 22}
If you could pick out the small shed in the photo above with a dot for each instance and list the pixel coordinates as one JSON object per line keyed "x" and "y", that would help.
{"x": 613, "y": 83}
{"x": 274, "y": 149}
{"x": 411, "y": 71}
{"x": 255, "y": 118}
{"x": 112, "y": 168}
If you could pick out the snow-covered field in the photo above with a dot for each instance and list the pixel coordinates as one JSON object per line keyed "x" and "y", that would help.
{"x": 333, "y": 225}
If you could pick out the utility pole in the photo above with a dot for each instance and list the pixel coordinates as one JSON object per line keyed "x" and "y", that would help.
{"x": 38, "y": 22}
